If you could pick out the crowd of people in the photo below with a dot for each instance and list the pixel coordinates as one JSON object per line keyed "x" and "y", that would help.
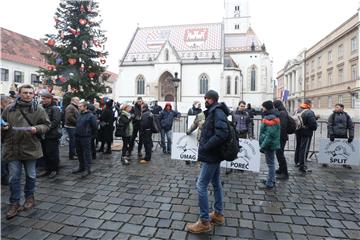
{"x": 31, "y": 134}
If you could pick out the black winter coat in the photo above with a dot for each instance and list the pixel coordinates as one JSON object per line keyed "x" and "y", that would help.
{"x": 214, "y": 133}
{"x": 105, "y": 133}
{"x": 309, "y": 121}
{"x": 283, "y": 115}
{"x": 54, "y": 115}
{"x": 146, "y": 121}
{"x": 339, "y": 123}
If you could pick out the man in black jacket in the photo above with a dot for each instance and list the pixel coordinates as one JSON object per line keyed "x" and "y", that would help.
{"x": 214, "y": 133}
{"x": 85, "y": 128}
{"x": 50, "y": 144}
{"x": 136, "y": 111}
{"x": 146, "y": 127}
{"x": 304, "y": 135}
{"x": 283, "y": 115}
{"x": 339, "y": 124}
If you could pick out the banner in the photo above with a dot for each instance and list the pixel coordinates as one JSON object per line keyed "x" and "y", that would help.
{"x": 339, "y": 152}
{"x": 190, "y": 120}
{"x": 184, "y": 147}
{"x": 248, "y": 157}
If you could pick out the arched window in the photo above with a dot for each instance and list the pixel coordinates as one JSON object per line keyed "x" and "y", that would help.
{"x": 236, "y": 85}
{"x": 204, "y": 83}
{"x": 228, "y": 85}
{"x": 140, "y": 85}
{"x": 166, "y": 55}
{"x": 253, "y": 79}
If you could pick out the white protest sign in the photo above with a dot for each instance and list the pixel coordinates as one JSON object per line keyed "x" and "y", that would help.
{"x": 190, "y": 121}
{"x": 339, "y": 152}
{"x": 184, "y": 147}
{"x": 248, "y": 157}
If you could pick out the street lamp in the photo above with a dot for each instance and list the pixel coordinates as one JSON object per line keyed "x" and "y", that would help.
{"x": 176, "y": 82}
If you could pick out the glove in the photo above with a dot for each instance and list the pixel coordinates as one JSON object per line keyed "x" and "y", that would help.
{"x": 332, "y": 138}
{"x": 350, "y": 140}
{"x": 188, "y": 132}
{"x": 262, "y": 150}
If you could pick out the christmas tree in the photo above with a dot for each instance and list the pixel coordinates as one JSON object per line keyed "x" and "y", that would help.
{"x": 77, "y": 57}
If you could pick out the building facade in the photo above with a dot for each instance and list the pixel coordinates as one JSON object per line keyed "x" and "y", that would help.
{"x": 226, "y": 57}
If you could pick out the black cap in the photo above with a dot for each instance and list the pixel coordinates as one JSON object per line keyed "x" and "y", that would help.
{"x": 268, "y": 105}
{"x": 212, "y": 94}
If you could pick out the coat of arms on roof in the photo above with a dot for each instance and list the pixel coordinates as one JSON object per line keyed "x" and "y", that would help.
{"x": 195, "y": 37}
{"x": 156, "y": 38}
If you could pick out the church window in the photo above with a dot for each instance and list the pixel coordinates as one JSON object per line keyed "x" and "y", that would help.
{"x": 236, "y": 26}
{"x": 237, "y": 8}
{"x": 253, "y": 79}
{"x": 204, "y": 83}
{"x": 140, "y": 85}
{"x": 166, "y": 55}
{"x": 228, "y": 85}
{"x": 236, "y": 85}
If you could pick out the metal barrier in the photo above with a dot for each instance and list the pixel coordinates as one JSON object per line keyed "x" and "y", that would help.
{"x": 181, "y": 124}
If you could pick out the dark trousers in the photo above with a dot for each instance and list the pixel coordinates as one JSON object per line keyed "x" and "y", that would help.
{"x": 126, "y": 146}
{"x": 148, "y": 144}
{"x": 243, "y": 135}
{"x": 93, "y": 147}
{"x": 136, "y": 129}
{"x": 281, "y": 158}
{"x": 108, "y": 144}
{"x": 72, "y": 147}
{"x": 4, "y": 172}
{"x": 83, "y": 149}
{"x": 302, "y": 149}
{"x": 50, "y": 148}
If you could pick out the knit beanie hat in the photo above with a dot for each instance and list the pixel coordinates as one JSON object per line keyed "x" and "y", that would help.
{"x": 268, "y": 105}
{"x": 213, "y": 95}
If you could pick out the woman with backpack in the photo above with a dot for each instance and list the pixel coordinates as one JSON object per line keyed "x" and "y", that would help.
{"x": 282, "y": 172}
{"x": 125, "y": 129}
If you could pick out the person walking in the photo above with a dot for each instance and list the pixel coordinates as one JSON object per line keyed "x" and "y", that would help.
{"x": 146, "y": 128}
{"x": 85, "y": 128}
{"x": 125, "y": 126}
{"x": 242, "y": 121}
{"x": 71, "y": 115}
{"x": 282, "y": 172}
{"x": 304, "y": 135}
{"x": 214, "y": 134}
{"x": 269, "y": 140}
{"x": 50, "y": 144}
{"x": 340, "y": 125}
{"x": 252, "y": 114}
{"x": 22, "y": 147}
{"x": 106, "y": 123}
{"x": 166, "y": 118}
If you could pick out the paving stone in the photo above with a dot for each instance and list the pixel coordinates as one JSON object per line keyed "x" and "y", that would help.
{"x": 95, "y": 234}
{"x": 18, "y": 232}
{"x": 351, "y": 225}
{"x": 74, "y": 220}
{"x": 36, "y": 235}
{"x": 335, "y": 232}
{"x": 67, "y": 230}
{"x": 283, "y": 236}
{"x": 92, "y": 223}
{"x": 131, "y": 228}
{"x": 148, "y": 231}
{"x": 164, "y": 223}
{"x": 266, "y": 235}
{"x": 52, "y": 227}
{"x": 163, "y": 233}
{"x": 137, "y": 219}
{"x": 226, "y": 231}
{"x": 317, "y": 231}
{"x": 93, "y": 213}
{"x": 110, "y": 225}
{"x": 179, "y": 225}
{"x": 109, "y": 235}
{"x": 279, "y": 227}
{"x": 282, "y": 219}
{"x": 80, "y": 232}
{"x": 297, "y": 229}
{"x": 316, "y": 221}
{"x": 176, "y": 235}
{"x": 352, "y": 234}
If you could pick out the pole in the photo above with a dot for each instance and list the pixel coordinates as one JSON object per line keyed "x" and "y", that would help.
{"x": 176, "y": 98}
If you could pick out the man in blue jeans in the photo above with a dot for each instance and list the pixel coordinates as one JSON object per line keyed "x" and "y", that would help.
{"x": 21, "y": 145}
{"x": 214, "y": 134}
{"x": 166, "y": 118}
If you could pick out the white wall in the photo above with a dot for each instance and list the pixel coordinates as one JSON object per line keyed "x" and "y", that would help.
{"x": 13, "y": 66}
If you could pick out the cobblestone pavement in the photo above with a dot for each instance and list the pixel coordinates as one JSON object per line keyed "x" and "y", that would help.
{"x": 155, "y": 201}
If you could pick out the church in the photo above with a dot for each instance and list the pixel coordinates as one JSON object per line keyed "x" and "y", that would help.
{"x": 226, "y": 57}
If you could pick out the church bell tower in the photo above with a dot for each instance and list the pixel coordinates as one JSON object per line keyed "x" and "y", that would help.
{"x": 236, "y": 17}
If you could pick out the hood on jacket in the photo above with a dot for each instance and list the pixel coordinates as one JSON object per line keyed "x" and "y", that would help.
{"x": 279, "y": 105}
{"x": 222, "y": 106}
{"x": 168, "y": 104}
{"x": 271, "y": 114}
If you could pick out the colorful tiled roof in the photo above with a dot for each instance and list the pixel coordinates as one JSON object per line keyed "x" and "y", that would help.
{"x": 242, "y": 42}
{"x": 201, "y": 40}
{"x": 21, "y": 49}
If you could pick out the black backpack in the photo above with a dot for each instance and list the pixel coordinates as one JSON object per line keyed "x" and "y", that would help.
{"x": 230, "y": 149}
{"x": 291, "y": 125}
{"x": 155, "y": 127}
{"x": 121, "y": 126}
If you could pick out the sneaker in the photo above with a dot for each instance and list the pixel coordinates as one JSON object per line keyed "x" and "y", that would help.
{"x": 13, "y": 210}
{"x": 140, "y": 155}
{"x": 124, "y": 161}
{"x": 143, "y": 161}
{"x": 44, "y": 174}
{"x": 29, "y": 203}
{"x": 86, "y": 173}
{"x": 265, "y": 185}
{"x": 297, "y": 165}
{"x": 53, "y": 174}
{"x": 216, "y": 218}
{"x": 304, "y": 170}
{"x": 199, "y": 227}
{"x": 73, "y": 158}
{"x": 324, "y": 165}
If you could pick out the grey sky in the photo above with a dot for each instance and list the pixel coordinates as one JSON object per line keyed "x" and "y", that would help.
{"x": 285, "y": 26}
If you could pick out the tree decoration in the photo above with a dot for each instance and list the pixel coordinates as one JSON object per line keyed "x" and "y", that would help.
{"x": 72, "y": 61}
{"x": 82, "y": 9}
{"x": 91, "y": 75}
{"x": 82, "y": 21}
{"x": 84, "y": 45}
{"x": 51, "y": 67}
{"x": 51, "y": 42}
{"x": 102, "y": 61}
{"x": 58, "y": 61}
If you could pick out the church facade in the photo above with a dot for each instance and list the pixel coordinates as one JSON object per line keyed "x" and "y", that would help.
{"x": 227, "y": 57}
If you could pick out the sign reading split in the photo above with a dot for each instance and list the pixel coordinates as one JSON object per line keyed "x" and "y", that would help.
{"x": 339, "y": 152}
{"x": 185, "y": 147}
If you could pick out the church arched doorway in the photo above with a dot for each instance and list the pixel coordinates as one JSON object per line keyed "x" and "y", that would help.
{"x": 166, "y": 87}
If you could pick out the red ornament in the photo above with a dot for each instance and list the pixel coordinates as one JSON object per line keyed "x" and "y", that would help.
{"x": 102, "y": 61}
{"x": 91, "y": 74}
{"x": 82, "y": 21}
{"x": 62, "y": 79}
{"x": 51, "y": 67}
{"x": 51, "y": 42}
{"x": 72, "y": 61}
{"x": 82, "y": 68}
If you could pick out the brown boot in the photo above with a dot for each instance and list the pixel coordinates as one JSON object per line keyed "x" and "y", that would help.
{"x": 199, "y": 227}
{"x": 216, "y": 218}
{"x": 13, "y": 210}
{"x": 29, "y": 203}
